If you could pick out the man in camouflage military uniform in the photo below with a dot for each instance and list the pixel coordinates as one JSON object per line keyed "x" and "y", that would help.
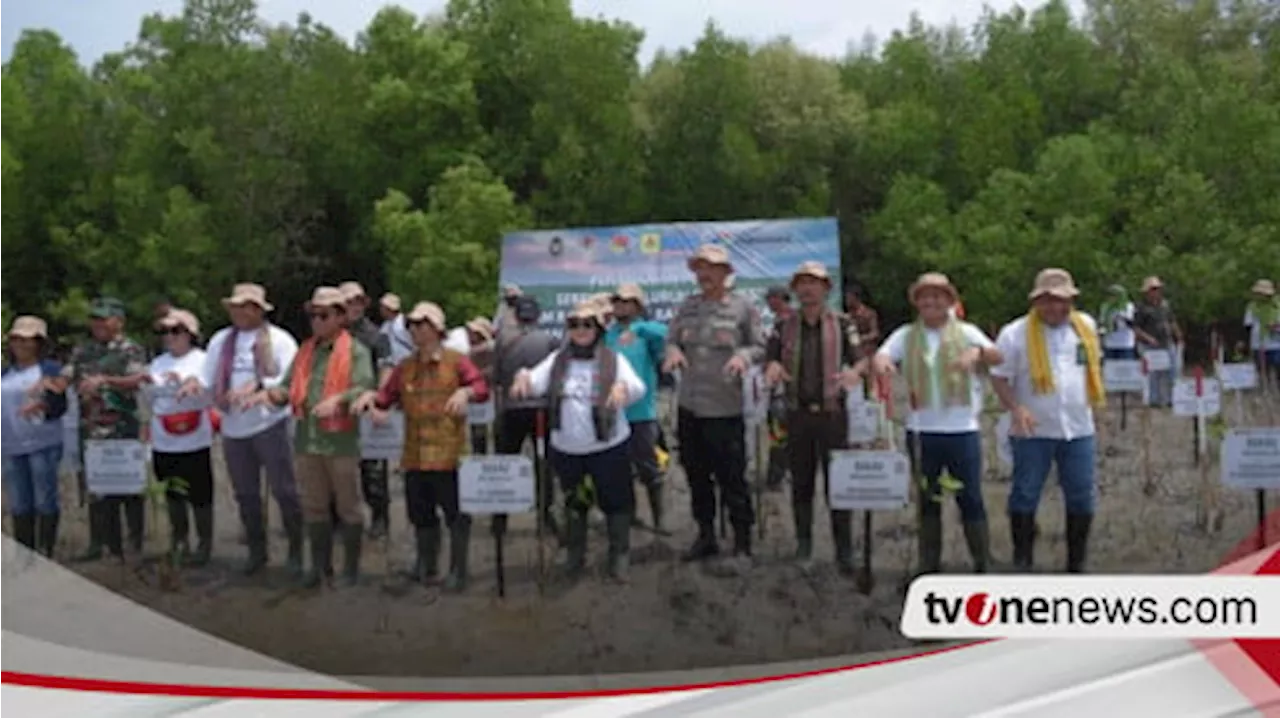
{"x": 374, "y": 479}
{"x": 106, "y": 372}
{"x": 714, "y": 338}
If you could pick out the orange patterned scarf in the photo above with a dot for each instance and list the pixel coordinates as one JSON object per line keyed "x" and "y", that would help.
{"x": 337, "y": 380}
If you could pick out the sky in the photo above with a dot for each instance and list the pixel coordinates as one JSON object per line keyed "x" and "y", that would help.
{"x": 827, "y": 27}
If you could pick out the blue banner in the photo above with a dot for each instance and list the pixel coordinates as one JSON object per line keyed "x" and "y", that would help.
{"x": 562, "y": 267}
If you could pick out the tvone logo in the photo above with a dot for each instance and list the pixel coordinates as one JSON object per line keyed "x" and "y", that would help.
{"x": 980, "y": 609}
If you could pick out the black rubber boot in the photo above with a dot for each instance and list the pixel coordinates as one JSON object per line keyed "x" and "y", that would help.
{"x": 24, "y": 530}
{"x": 704, "y": 547}
{"x": 978, "y": 537}
{"x": 427, "y": 566}
{"x": 1022, "y": 529}
{"x": 1078, "y": 526}
{"x": 179, "y": 527}
{"x": 842, "y": 537}
{"x": 321, "y": 536}
{"x": 135, "y": 511}
{"x": 204, "y": 535}
{"x": 293, "y": 534}
{"x": 657, "y": 507}
{"x": 618, "y": 527}
{"x": 257, "y": 540}
{"x": 575, "y": 543}
{"x": 930, "y": 544}
{"x": 97, "y": 532}
{"x": 352, "y": 539}
{"x": 803, "y": 516}
{"x": 47, "y": 533}
{"x": 459, "y": 549}
{"x": 379, "y": 523}
{"x": 742, "y": 540}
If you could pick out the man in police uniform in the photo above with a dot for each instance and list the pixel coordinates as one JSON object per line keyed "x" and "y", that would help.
{"x": 374, "y": 483}
{"x": 107, "y": 371}
{"x": 714, "y": 338}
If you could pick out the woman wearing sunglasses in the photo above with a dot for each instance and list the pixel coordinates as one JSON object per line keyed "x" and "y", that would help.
{"x": 589, "y": 387}
{"x": 181, "y": 437}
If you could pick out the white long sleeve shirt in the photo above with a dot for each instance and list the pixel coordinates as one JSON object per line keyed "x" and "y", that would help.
{"x": 239, "y": 424}
{"x": 577, "y": 432}
{"x": 1064, "y": 414}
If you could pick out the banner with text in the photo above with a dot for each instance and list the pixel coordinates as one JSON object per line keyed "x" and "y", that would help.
{"x": 565, "y": 266}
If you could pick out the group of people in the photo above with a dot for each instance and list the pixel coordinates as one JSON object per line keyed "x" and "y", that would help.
{"x": 597, "y": 390}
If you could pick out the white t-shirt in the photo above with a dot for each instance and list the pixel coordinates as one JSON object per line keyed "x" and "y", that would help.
{"x": 1256, "y": 341}
{"x": 941, "y": 419}
{"x": 1066, "y": 413}
{"x": 161, "y": 393}
{"x": 237, "y": 424}
{"x": 1120, "y": 334}
{"x": 577, "y": 432}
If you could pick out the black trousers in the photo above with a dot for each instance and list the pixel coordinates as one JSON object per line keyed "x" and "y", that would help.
{"x": 108, "y": 508}
{"x": 429, "y": 493}
{"x": 514, "y": 427}
{"x": 610, "y": 472}
{"x": 714, "y": 454}
{"x": 375, "y": 485}
{"x": 811, "y": 437}
{"x": 193, "y": 468}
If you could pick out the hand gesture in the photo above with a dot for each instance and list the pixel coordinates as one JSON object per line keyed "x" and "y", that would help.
{"x": 736, "y": 366}
{"x": 849, "y": 379}
{"x": 255, "y": 399}
{"x": 30, "y": 409}
{"x": 775, "y": 374}
{"x": 364, "y": 403}
{"x": 328, "y": 408}
{"x": 378, "y": 417}
{"x": 1023, "y": 423}
{"x": 882, "y": 364}
{"x": 617, "y": 396}
{"x": 90, "y": 385}
{"x": 967, "y": 360}
{"x": 239, "y": 395}
{"x": 674, "y": 360}
{"x": 191, "y": 387}
{"x": 521, "y": 386}
{"x": 457, "y": 404}
{"x": 171, "y": 378}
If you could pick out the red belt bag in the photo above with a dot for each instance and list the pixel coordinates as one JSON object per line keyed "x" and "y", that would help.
{"x": 181, "y": 424}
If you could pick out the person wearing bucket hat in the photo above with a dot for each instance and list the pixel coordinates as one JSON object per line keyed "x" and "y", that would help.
{"x": 589, "y": 387}
{"x": 1116, "y": 324}
{"x": 240, "y": 360}
{"x": 481, "y": 342}
{"x": 388, "y": 310}
{"x": 182, "y": 437}
{"x": 1051, "y": 384}
{"x": 1157, "y": 329}
{"x": 1262, "y": 319}
{"x": 374, "y": 473}
{"x": 33, "y": 404}
{"x": 433, "y": 388}
{"x": 107, "y": 371}
{"x": 644, "y": 344}
{"x": 811, "y": 355}
{"x": 331, "y": 370}
{"x": 942, "y": 358}
{"x": 714, "y": 339}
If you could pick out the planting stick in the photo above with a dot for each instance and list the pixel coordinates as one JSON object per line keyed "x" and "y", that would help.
{"x": 540, "y": 476}
{"x": 1148, "y": 480}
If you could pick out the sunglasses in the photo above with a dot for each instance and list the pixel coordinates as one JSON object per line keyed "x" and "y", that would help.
{"x": 174, "y": 331}
{"x": 580, "y": 324}
{"x": 322, "y": 316}
{"x": 417, "y": 322}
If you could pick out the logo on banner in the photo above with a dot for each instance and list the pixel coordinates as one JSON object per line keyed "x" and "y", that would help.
{"x": 650, "y": 243}
{"x": 588, "y": 241}
{"x": 556, "y": 246}
{"x": 620, "y": 243}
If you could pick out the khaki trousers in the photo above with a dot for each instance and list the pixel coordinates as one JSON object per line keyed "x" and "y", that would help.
{"x": 328, "y": 480}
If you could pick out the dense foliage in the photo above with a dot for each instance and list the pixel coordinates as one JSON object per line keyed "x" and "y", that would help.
{"x": 1144, "y": 137}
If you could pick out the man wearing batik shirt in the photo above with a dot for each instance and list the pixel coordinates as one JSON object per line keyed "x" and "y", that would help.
{"x": 433, "y": 388}
{"x": 106, "y": 372}
{"x": 374, "y": 480}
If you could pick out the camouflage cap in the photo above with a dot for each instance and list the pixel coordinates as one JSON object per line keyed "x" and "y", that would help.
{"x": 106, "y": 307}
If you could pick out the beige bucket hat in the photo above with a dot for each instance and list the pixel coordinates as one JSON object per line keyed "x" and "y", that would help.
{"x": 630, "y": 292}
{"x": 481, "y": 326}
{"x": 181, "y": 318}
{"x": 428, "y": 312}
{"x": 1152, "y": 282}
{"x": 586, "y": 310}
{"x": 248, "y": 293}
{"x": 326, "y": 297}
{"x": 1055, "y": 283}
{"x": 351, "y": 290}
{"x": 817, "y": 270}
{"x": 390, "y": 301}
{"x": 29, "y": 327}
{"x": 1264, "y": 287}
{"x": 933, "y": 280}
{"x": 712, "y": 254}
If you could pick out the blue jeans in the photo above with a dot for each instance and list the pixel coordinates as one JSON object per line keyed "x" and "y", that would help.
{"x": 1032, "y": 459}
{"x": 31, "y": 481}
{"x": 961, "y": 456}
{"x": 1161, "y": 388}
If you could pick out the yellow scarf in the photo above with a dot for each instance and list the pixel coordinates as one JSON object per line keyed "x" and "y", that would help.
{"x": 1038, "y": 357}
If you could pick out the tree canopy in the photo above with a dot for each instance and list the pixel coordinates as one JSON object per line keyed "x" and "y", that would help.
{"x": 1140, "y": 138}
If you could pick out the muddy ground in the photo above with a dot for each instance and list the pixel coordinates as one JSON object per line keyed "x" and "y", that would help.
{"x": 672, "y": 616}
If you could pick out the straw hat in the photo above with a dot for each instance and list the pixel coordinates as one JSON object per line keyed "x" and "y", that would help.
{"x": 932, "y": 280}
{"x": 630, "y": 292}
{"x": 1055, "y": 283}
{"x": 586, "y": 310}
{"x": 431, "y": 313}
{"x": 181, "y": 318}
{"x": 712, "y": 254}
{"x": 390, "y": 301}
{"x": 248, "y": 293}
{"x": 29, "y": 327}
{"x": 811, "y": 269}
{"x": 1264, "y": 287}
{"x": 351, "y": 290}
{"x": 481, "y": 326}
{"x": 1151, "y": 283}
{"x": 326, "y": 297}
